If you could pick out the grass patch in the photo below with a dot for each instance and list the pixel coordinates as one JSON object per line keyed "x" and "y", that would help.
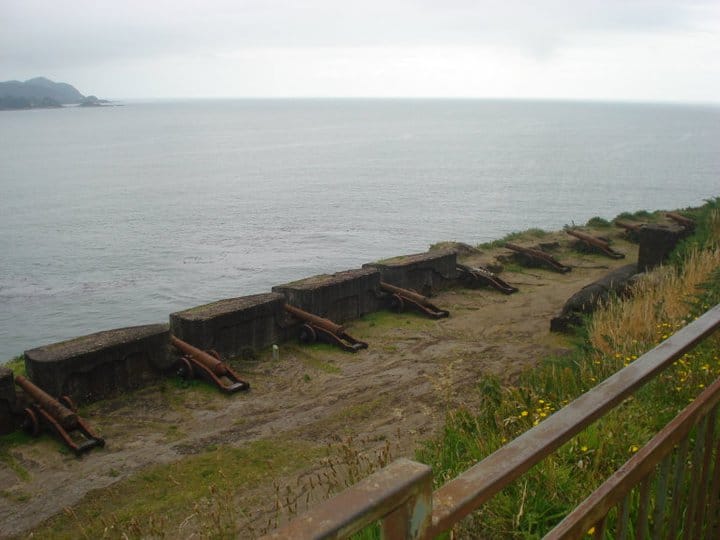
{"x": 7, "y": 442}
{"x": 379, "y": 321}
{"x": 598, "y": 223}
{"x": 532, "y": 233}
{"x": 321, "y": 365}
{"x": 17, "y": 496}
{"x": 639, "y": 215}
{"x": 17, "y": 365}
{"x": 361, "y": 411}
{"x": 198, "y": 494}
{"x": 318, "y": 356}
{"x": 322, "y": 348}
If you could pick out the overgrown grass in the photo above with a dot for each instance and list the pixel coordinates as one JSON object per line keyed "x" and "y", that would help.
{"x": 211, "y": 494}
{"x": 200, "y": 495}
{"x": 513, "y": 236}
{"x": 643, "y": 215}
{"x": 664, "y": 301}
{"x": 598, "y": 223}
{"x": 17, "y": 365}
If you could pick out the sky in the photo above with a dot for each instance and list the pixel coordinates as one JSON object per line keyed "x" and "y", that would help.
{"x": 629, "y": 50}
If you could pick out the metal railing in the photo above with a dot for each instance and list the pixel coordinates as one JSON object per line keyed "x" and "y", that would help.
{"x": 359, "y": 506}
{"x": 672, "y": 489}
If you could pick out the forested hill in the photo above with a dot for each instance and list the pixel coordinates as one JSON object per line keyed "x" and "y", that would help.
{"x": 40, "y": 92}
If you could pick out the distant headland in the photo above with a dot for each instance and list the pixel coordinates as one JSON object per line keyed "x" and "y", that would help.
{"x": 42, "y": 93}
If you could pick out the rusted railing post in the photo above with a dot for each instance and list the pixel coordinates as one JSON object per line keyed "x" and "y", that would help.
{"x": 411, "y": 520}
{"x": 400, "y": 496}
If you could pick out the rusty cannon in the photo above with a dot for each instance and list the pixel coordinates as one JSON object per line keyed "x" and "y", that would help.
{"x": 57, "y": 416}
{"x": 540, "y": 257}
{"x": 209, "y": 366}
{"x": 686, "y": 222}
{"x": 597, "y": 243}
{"x": 399, "y": 297}
{"x": 483, "y": 276}
{"x": 628, "y": 226}
{"x": 632, "y": 229}
{"x": 318, "y": 328}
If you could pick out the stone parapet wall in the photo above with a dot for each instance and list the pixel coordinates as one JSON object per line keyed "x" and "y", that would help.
{"x": 421, "y": 272}
{"x": 8, "y": 401}
{"x": 656, "y": 244}
{"x": 234, "y": 326}
{"x": 341, "y": 297}
{"x": 98, "y": 365}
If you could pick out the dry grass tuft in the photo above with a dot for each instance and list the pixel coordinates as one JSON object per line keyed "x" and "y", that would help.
{"x": 659, "y": 304}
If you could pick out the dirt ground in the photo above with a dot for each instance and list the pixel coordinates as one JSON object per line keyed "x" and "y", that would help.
{"x": 392, "y": 395}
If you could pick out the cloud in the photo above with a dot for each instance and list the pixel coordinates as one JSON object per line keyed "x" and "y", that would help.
{"x": 39, "y": 32}
{"x": 373, "y": 47}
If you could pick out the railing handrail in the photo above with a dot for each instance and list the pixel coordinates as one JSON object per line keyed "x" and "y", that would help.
{"x": 464, "y": 494}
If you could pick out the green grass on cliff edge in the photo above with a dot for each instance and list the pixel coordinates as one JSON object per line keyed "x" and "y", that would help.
{"x": 533, "y": 504}
{"x": 17, "y": 365}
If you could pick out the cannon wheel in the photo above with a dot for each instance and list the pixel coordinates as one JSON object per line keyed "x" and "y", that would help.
{"x": 68, "y": 402}
{"x": 31, "y": 424}
{"x": 307, "y": 334}
{"x": 397, "y": 303}
{"x": 185, "y": 369}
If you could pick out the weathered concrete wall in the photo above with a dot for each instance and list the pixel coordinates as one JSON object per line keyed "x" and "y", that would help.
{"x": 234, "y": 326}
{"x": 340, "y": 297}
{"x": 656, "y": 244}
{"x": 8, "y": 400}
{"x": 589, "y": 298}
{"x": 421, "y": 272}
{"x": 98, "y": 365}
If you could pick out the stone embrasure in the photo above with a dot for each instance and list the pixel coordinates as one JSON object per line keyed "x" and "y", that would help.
{"x": 98, "y": 365}
{"x": 227, "y": 306}
{"x": 422, "y": 272}
{"x": 341, "y": 296}
{"x": 233, "y": 326}
{"x": 7, "y": 401}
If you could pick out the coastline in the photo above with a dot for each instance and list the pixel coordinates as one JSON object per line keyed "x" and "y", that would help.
{"x": 386, "y": 399}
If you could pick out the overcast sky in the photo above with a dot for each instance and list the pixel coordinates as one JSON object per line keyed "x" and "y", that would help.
{"x": 580, "y": 49}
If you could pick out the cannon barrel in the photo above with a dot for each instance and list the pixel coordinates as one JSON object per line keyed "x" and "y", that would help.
{"x": 599, "y": 243}
{"x": 65, "y": 417}
{"x": 587, "y": 238}
{"x": 325, "y": 324}
{"x": 209, "y": 361}
{"x": 627, "y": 225}
{"x": 521, "y": 249}
{"x": 540, "y": 255}
{"x": 682, "y": 220}
{"x": 412, "y": 295}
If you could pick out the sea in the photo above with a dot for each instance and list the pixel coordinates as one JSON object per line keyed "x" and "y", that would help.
{"x": 117, "y": 216}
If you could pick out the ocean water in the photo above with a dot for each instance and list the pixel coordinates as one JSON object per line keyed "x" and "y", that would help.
{"x": 118, "y": 216}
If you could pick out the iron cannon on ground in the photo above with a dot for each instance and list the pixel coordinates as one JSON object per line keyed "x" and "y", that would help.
{"x": 60, "y": 417}
{"x": 209, "y": 366}
{"x": 318, "y": 328}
